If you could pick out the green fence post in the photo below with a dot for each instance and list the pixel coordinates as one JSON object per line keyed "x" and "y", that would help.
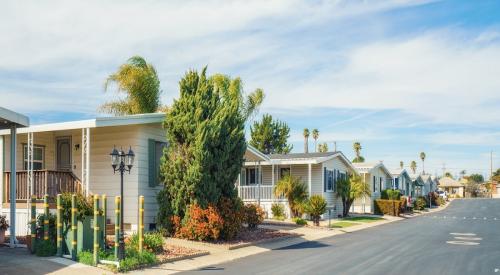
{"x": 59, "y": 226}
{"x": 117, "y": 224}
{"x": 33, "y": 224}
{"x": 73, "y": 227}
{"x": 104, "y": 210}
{"x": 96, "y": 229}
{"x": 46, "y": 219}
{"x": 141, "y": 223}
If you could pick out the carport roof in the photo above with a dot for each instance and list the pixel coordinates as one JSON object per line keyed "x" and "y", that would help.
{"x": 9, "y": 118}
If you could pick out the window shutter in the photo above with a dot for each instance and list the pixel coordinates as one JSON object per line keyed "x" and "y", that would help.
{"x": 152, "y": 169}
{"x": 243, "y": 177}
{"x": 324, "y": 179}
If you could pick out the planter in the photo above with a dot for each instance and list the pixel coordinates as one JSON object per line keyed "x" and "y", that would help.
{"x": 2, "y": 236}
{"x": 84, "y": 238}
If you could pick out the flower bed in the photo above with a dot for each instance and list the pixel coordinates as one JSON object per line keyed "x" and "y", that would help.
{"x": 174, "y": 253}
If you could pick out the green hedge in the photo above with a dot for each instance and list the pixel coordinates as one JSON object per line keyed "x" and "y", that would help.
{"x": 388, "y": 207}
{"x": 389, "y": 194}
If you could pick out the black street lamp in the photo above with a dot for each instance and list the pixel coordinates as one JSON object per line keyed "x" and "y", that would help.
{"x": 121, "y": 162}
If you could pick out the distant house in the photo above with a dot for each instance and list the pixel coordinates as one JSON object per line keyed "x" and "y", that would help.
{"x": 429, "y": 184}
{"x": 452, "y": 187}
{"x": 318, "y": 171}
{"x": 402, "y": 181}
{"x": 74, "y": 157}
{"x": 418, "y": 183}
{"x": 379, "y": 178}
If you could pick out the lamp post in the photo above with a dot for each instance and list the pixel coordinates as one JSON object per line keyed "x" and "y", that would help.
{"x": 122, "y": 162}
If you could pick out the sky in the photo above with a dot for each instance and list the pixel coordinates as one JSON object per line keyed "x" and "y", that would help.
{"x": 399, "y": 76}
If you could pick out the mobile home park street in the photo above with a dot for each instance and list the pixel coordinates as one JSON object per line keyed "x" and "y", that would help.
{"x": 462, "y": 239}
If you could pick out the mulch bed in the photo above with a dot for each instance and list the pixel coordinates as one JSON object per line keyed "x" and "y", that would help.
{"x": 173, "y": 253}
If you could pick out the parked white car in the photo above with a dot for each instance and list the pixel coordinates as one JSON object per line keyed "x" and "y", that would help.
{"x": 443, "y": 194}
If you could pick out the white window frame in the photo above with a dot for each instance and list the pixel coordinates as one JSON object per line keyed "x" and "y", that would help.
{"x": 25, "y": 156}
{"x": 330, "y": 174}
{"x": 248, "y": 177}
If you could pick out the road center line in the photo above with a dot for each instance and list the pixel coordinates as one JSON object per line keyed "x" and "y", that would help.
{"x": 463, "y": 234}
{"x": 468, "y": 238}
{"x": 462, "y": 243}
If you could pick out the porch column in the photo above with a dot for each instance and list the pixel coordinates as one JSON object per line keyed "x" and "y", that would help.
{"x": 2, "y": 156}
{"x": 30, "y": 173}
{"x": 86, "y": 159}
{"x": 13, "y": 142}
{"x": 272, "y": 181}
{"x": 258, "y": 181}
{"x": 309, "y": 183}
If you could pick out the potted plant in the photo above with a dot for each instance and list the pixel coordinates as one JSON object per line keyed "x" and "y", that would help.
{"x": 3, "y": 227}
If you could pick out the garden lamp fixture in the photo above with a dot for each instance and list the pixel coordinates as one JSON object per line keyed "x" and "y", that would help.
{"x": 122, "y": 162}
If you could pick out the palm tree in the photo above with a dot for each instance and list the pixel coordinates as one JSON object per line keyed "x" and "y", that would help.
{"x": 422, "y": 157}
{"x": 357, "y": 150}
{"x": 401, "y": 164}
{"x": 306, "y": 140}
{"x": 294, "y": 190}
{"x": 350, "y": 189}
{"x": 139, "y": 81}
{"x": 315, "y": 134}
{"x": 323, "y": 147}
{"x": 413, "y": 166}
{"x": 462, "y": 173}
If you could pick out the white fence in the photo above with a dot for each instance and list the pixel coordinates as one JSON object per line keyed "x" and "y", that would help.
{"x": 254, "y": 193}
{"x": 22, "y": 220}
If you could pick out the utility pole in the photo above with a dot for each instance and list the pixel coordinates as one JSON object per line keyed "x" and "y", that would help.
{"x": 491, "y": 165}
{"x": 335, "y": 146}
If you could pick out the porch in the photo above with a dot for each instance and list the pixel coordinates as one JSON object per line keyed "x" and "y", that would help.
{"x": 49, "y": 182}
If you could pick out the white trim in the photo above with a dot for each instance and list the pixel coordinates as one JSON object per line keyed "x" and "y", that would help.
{"x": 2, "y": 162}
{"x": 93, "y": 123}
{"x": 258, "y": 153}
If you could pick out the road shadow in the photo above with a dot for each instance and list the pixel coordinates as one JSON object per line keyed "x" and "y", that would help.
{"x": 305, "y": 245}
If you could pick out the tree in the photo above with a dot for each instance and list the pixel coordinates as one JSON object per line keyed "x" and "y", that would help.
{"x": 357, "y": 150}
{"x": 323, "y": 147}
{"x": 270, "y": 136}
{"x": 315, "y": 207}
{"x": 138, "y": 80}
{"x": 350, "y": 189}
{"x": 413, "y": 166}
{"x": 476, "y": 178}
{"x": 205, "y": 132}
{"x": 422, "y": 157}
{"x": 295, "y": 192}
{"x": 306, "y": 140}
{"x": 315, "y": 134}
{"x": 401, "y": 164}
{"x": 462, "y": 173}
{"x": 473, "y": 188}
{"x": 496, "y": 175}
{"x": 448, "y": 175}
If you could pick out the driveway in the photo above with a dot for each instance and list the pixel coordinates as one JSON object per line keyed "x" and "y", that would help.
{"x": 19, "y": 261}
{"x": 462, "y": 239}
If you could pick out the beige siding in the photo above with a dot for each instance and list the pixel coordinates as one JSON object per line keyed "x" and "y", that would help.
{"x": 331, "y": 197}
{"x": 156, "y": 132}
{"x": 369, "y": 201}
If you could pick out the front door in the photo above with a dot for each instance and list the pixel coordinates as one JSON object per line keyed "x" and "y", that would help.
{"x": 64, "y": 154}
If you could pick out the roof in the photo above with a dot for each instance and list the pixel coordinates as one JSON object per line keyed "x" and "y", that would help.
{"x": 9, "y": 118}
{"x": 398, "y": 172}
{"x": 449, "y": 182}
{"x": 93, "y": 123}
{"x": 367, "y": 167}
{"x": 302, "y": 155}
{"x": 417, "y": 179}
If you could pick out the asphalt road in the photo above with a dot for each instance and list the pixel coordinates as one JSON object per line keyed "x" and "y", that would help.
{"x": 462, "y": 239}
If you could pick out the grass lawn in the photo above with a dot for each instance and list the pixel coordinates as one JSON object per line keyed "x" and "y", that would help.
{"x": 342, "y": 224}
{"x": 363, "y": 219}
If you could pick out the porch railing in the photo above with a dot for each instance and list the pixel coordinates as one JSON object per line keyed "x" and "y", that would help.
{"x": 252, "y": 192}
{"x": 44, "y": 182}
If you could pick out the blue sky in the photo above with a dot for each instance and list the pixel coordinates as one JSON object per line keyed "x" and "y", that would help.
{"x": 399, "y": 76}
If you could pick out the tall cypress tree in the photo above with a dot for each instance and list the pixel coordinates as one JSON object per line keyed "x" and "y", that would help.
{"x": 205, "y": 131}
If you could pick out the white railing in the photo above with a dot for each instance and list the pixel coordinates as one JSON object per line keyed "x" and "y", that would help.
{"x": 252, "y": 192}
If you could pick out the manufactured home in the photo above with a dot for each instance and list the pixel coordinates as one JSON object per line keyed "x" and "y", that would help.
{"x": 402, "y": 181}
{"x": 75, "y": 157}
{"x": 379, "y": 178}
{"x": 318, "y": 171}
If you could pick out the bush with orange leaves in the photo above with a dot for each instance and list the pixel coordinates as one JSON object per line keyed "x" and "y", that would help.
{"x": 199, "y": 224}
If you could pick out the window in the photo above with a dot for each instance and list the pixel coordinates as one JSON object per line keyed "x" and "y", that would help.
{"x": 284, "y": 172}
{"x": 251, "y": 176}
{"x": 380, "y": 184}
{"x": 396, "y": 183}
{"x": 38, "y": 157}
{"x": 374, "y": 184}
{"x": 155, "y": 151}
{"x": 329, "y": 182}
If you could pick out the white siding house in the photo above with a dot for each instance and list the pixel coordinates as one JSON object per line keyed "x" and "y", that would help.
{"x": 402, "y": 181}
{"x": 74, "y": 157}
{"x": 318, "y": 171}
{"x": 379, "y": 178}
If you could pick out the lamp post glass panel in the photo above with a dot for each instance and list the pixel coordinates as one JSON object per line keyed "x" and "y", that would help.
{"x": 122, "y": 162}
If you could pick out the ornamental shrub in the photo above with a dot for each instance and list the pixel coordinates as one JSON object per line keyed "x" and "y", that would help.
{"x": 199, "y": 224}
{"x": 389, "y": 194}
{"x": 278, "y": 211}
{"x": 4, "y": 225}
{"x": 434, "y": 197}
{"x": 440, "y": 201}
{"x": 387, "y": 207}
{"x": 299, "y": 221}
{"x": 254, "y": 215}
{"x": 153, "y": 242}
{"x": 45, "y": 248}
{"x": 232, "y": 212}
{"x": 404, "y": 204}
{"x": 315, "y": 207}
{"x": 420, "y": 203}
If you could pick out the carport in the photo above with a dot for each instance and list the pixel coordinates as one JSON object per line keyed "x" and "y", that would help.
{"x": 12, "y": 120}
